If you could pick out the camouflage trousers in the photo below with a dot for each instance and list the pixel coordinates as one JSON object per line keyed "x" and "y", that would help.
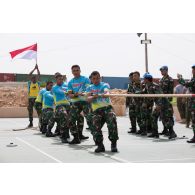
{"x": 193, "y": 120}
{"x": 135, "y": 115}
{"x": 146, "y": 118}
{"x": 61, "y": 116}
{"x": 166, "y": 114}
{"x": 99, "y": 118}
{"x": 47, "y": 115}
{"x": 77, "y": 119}
{"x": 31, "y": 104}
{"x": 38, "y": 108}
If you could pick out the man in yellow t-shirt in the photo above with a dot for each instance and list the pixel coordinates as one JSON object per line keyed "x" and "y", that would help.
{"x": 33, "y": 91}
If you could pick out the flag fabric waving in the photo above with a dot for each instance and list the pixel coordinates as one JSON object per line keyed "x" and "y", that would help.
{"x": 28, "y": 53}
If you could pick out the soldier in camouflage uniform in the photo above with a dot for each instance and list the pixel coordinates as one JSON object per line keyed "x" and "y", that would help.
{"x": 191, "y": 86}
{"x": 167, "y": 86}
{"x": 33, "y": 91}
{"x": 136, "y": 103}
{"x": 76, "y": 88}
{"x": 48, "y": 109}
{"x": 62, "y": 109}
{"x": 162, "y": 108}
{"x": 102, "y": 113}
{"x": 146, "y": 111}
{"x": 131, "y": 105}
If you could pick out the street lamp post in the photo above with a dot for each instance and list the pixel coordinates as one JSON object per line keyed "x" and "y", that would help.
{"x": 146, "y": 41}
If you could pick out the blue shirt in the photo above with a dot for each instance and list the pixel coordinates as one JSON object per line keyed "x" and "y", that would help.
{"x": 78, "y": 85}
{"x": 40, "y": 95}
{"x": 60, "y": 95}
{"x": 48, "y": 100}
{"x": 99, "y": 102}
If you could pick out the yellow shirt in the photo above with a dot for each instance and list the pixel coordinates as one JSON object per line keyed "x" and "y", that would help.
{"x": 33, "y": 89}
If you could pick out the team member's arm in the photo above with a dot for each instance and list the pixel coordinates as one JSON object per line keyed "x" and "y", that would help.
{"x": 70, "y": 90}
{"x": 31, "y": 72}
{"x": 38, "y": 72}
{"x": 106, "y": 91}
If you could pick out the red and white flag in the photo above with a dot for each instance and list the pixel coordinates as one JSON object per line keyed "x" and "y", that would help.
{"x": 28, "y": 53}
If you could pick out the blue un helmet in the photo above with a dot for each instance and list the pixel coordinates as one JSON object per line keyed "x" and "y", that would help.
{"x": 147, "y": 75}
{"x": 164, "y": 68}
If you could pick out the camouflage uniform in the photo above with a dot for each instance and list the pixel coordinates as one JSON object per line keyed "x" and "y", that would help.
{"x": 165, "y": 111}
{"x": 130, "y": 103}
{"x": 61, "y": 115}
{"x": 146, "y": 112}
{"x": 77, "y": 119}
{"x": 47, "y": 115}
{"x": 31, "y": 100}
{"x": 167, "y": 86}
{"x": 38, "y": 108}
{"x": 31, "y": 103}
{"x": 191, "y": 86}
{"x": 137, "y": 102}
{"x": 100, "y": 117}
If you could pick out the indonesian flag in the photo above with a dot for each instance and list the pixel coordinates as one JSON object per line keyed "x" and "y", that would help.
{"x": 27, "y": 53}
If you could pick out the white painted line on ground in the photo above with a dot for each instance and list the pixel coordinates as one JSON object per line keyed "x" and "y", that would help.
{"x": 108, "y": 156}
{"x": 37, "y": 149}
{"x": 162, "y": 160}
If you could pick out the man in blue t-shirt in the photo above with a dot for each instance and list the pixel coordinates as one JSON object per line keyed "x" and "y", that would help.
{"x": 62, "y": 108}
{"x": 48, "y": 109}
{"x": 76, "y": 89}
{"x": 102, "y": 113}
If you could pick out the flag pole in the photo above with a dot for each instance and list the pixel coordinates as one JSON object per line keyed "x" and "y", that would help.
{"x": 37, "y": 53}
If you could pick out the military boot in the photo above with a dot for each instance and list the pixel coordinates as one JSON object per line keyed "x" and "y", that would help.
{"x": 30, "y": 124}
{"x": 49, "y": 134}
{"x": 165, "y": 132}
{"x": 44, "y": 129}
{"x": 82, "y": 137}
{"x": 100, "y": 148}
{"x": 114, "y": 147}
{"x": 75, "y": 140}
{"x": 172, "y": 134}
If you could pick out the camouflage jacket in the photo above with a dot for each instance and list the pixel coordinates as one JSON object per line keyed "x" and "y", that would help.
{"x": 129, "y": 100}
{"x": 167, "y": 85}
{"x": 153, "y": 88}
{"x": 137, "y": 89}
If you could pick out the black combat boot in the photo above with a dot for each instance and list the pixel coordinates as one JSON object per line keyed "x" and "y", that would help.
{"x": 140, "y": 131}
{"x": 144, "y": 132}
{"x": 154, "y": 134}
{"x": 172, "y": 134}
{"x": 165, "y": 132}
{"x": 44, "y": 129}
{"x": 133, "y": 130}
{"x": 191, "y": 141}
{"x": 30, "y": 124}
{"x": 114, "y": 147}
{"x": 149, "y": 128}
{"x": 82, "y": 137}
{"x": 49, "y": 133}
{"x": 64, "y": 140}
{"x": 100, "y": 148}
{"x": 76, "y": 139}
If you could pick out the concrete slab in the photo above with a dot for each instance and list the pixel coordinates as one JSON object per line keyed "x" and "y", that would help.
{"x": 33, "y": 147}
